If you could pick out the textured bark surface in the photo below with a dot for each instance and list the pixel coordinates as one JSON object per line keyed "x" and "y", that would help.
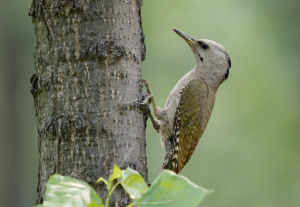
{"x": 88, "y": 57}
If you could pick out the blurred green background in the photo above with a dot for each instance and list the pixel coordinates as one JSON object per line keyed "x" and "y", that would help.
{"x": 250, "y": 151}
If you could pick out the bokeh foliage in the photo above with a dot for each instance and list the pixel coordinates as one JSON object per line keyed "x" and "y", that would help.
{"x": 249, "y": 153}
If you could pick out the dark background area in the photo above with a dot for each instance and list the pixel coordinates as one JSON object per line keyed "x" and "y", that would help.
{"x": 249, "y": 153}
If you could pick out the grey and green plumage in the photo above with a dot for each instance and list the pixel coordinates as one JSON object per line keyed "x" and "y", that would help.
{"x": 189, "y": 123}
{"x": 189, "y": 105}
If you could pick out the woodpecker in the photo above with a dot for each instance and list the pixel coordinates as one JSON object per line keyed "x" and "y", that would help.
{"x": 189, "y": 105}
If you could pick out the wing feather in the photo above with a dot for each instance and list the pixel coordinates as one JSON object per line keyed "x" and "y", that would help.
{"x": 190, "y": 121}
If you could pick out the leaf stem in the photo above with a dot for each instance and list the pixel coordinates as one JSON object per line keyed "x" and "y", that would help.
{"x": 110, "y": 191}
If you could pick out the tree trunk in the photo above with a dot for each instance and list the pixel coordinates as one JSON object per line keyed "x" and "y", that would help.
{"x": 88, "y": 57}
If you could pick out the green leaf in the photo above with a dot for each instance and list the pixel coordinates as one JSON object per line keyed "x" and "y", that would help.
{"x": 117, "y": 172}
{"x": 101, "y": 179}
{"x": 171, "y": 190}
{"x": 133, "y": 183}
{"x": 107, "y": 184}
{"x": 63, "y": 191}
{"x": 131, "y": 205}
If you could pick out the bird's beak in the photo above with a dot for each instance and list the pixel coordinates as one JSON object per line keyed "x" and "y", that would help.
{"x": 186, "y": 37}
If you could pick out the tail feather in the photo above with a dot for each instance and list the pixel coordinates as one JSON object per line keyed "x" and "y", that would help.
{"x": 169, "y": 163}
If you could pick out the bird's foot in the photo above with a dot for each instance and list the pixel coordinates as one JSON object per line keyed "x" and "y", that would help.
{"x": 146, "y": 84}
{"x": 149, "y": 98}
{"x": 144, "y": 107}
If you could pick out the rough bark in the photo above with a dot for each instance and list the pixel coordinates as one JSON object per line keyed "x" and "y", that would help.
{"x": 88, "y": 57}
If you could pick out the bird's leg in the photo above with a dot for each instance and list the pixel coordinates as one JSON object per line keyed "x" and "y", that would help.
{"x": 155, "y": 122}
{"x": 144, "y": 106}
{"x": 157, "y": 110}
{"x": 159, "y": 113}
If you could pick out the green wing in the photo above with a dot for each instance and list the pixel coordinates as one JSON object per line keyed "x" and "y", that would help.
{"x": 190, "y": 121}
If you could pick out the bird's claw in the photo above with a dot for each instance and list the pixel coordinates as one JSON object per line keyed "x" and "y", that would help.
{"x": 146, "y": 84}
{"x": 144, "y": 107}
{"x": 143, "y": 81}
{"x": 148, "y": 99}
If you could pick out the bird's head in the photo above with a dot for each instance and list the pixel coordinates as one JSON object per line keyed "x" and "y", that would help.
{"x": 211, "y": 57}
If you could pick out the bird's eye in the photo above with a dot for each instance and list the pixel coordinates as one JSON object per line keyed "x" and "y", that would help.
{"x": 203, "y": 45}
